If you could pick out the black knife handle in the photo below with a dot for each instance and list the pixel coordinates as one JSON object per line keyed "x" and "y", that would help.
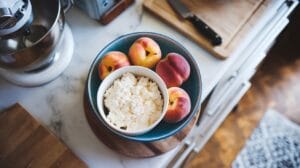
{"x": 206, "y": 31}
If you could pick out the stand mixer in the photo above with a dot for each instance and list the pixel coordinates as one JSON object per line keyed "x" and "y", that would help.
{"x": 36, "y": 45}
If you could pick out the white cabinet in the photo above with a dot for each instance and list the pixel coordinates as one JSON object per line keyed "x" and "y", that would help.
{"x": 235, "y": 83}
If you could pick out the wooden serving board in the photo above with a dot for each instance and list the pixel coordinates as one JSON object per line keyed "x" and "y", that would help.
{"x": 132, "y": 148}
{"x": 24, "y": 142}
{"x": 229, "y": 18}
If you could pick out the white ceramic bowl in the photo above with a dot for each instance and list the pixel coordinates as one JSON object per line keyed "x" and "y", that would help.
{"x": 136, "y": 70}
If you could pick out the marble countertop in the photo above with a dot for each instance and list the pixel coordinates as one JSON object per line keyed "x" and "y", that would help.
{"x": 59, "y": 104}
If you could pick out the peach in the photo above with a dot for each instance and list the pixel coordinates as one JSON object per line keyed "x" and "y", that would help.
{"x": 179, "y": 105}
{"x": 145, "y": 52}
{"x": 174, "y": 70}
{"x": 110, "y": 62}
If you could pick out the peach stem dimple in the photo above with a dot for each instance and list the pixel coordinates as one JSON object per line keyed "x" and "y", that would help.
{"x": 147, "y": 53}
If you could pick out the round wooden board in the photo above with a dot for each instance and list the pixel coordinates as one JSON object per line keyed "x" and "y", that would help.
{"x": 133, "y": 148}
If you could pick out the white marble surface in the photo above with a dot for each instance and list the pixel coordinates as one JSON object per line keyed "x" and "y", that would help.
{"x": 59, "y": 104}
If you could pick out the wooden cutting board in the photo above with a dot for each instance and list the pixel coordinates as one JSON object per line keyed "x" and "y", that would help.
{"x": 24, "y": 142}
{"x": 231, "y": 19}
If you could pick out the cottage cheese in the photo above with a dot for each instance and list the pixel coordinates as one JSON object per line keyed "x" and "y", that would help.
{"x": 133, "y": 102}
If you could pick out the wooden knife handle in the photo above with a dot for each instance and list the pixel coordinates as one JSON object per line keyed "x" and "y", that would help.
{"x": 206, "y": 31}
{"x": 115, "y": 11}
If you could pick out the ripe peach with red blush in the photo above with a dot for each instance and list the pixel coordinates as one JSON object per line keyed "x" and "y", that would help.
{"x": 179, "y": 105}
{"x": 112, "y": 61}
{"x": 174, "y": 69}
{"x": 145, "y": 52}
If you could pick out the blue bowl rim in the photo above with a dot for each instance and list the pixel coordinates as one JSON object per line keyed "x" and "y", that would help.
{"x": 136, "y": 138}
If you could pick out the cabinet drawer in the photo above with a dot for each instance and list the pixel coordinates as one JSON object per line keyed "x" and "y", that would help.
{"x": 210, "y": 123}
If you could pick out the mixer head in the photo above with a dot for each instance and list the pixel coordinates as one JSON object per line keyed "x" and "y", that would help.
{"x": 15, "y": 17}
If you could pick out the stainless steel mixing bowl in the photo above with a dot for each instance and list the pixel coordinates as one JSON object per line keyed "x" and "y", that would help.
{"x": 34, "y": 50}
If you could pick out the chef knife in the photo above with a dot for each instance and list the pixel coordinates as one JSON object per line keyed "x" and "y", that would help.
{"x": 202, "y": 27}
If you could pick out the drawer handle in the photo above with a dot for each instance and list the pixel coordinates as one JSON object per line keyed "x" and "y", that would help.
{"x": 219, "y": 94}
{"x": 234, "y": 98}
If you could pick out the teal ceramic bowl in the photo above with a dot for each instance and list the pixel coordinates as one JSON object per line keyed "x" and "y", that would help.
{"x": 193, "y": 86}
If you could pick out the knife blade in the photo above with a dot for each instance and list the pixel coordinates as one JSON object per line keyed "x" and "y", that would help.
{"x": 201, "y": 26}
